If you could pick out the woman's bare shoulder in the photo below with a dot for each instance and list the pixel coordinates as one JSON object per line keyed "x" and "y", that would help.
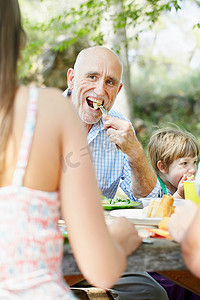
{"x": 54, "y": 104}
{"x": 52, "y": 98}
{"x": 50, "y": 93}
{"x": 47, "y": 93}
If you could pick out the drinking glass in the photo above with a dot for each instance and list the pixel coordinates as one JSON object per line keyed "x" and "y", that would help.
{"x": 197, "y": 185}
{"x": 192, "y": 190}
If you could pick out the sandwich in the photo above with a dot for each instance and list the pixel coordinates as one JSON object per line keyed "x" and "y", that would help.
{"x": 160, "y": 208}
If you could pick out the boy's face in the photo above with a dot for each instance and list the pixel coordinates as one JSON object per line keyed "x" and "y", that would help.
{"x": 181, "y": 166}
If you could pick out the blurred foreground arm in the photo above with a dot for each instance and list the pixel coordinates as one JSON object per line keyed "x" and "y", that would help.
{"x": 101, "y": 256}
{"x": 190, "y": 245}
{"x": 181, "y": 220}
{"x": 184, "y": 227}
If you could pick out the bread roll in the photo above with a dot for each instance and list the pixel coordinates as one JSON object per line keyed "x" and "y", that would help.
{"x": 160, "y": 208}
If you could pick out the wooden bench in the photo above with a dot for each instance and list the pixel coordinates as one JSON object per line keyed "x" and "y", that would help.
{"x": 85, "y": 293}
{"x": 185, "y": 279}
{"x": 91, "y": 293}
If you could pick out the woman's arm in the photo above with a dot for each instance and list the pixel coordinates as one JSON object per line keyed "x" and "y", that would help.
{"x": 101, "y": 255}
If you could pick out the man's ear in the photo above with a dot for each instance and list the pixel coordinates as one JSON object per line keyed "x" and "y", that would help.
{"x": 70, "y": 78}
{"x": 120, "y": 87}
{"x": 161, "y": 167}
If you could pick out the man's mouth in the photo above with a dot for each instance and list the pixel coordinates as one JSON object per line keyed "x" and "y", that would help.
{"x": 94, "y": 103}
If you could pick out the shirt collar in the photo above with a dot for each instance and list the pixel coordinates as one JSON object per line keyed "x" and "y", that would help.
{"x": 67, "y": 92}
{"x": 95, "y": 130}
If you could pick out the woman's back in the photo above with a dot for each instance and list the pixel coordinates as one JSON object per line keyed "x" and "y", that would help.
{"x": 43, "y": 168}
{"x": 31, "y": 243}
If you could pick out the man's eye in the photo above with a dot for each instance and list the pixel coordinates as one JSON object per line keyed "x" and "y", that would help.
{"x": 184, "y": 163}
{"x": 92, "y": 77}
{"x": 110, "y": 82}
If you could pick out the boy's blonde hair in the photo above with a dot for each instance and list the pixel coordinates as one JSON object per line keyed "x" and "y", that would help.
{"x": 169, "y": 144}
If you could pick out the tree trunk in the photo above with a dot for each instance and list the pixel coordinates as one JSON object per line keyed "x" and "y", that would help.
{"x": 119, "y": 43}
{"x": 125, "y": 96}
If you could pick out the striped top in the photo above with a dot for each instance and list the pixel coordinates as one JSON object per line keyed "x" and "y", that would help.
{"x": 30, "y": 241}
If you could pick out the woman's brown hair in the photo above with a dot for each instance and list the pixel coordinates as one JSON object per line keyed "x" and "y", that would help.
{"x": 12, "y": 38}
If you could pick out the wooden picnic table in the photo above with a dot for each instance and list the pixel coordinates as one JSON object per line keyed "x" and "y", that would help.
{"x": 160, "y": 255}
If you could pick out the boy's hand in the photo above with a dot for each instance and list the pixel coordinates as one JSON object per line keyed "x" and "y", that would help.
{"x": 180, "y": 189}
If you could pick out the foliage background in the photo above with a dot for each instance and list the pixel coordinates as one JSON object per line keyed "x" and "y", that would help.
{"x": 161, "y": 79}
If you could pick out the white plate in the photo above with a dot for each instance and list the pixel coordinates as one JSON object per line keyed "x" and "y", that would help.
{"x": 136, "y": 215}
{"x": 177, "y": 202}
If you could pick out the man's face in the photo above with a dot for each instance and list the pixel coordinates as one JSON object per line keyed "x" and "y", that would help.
{"x": 96, "y": 79}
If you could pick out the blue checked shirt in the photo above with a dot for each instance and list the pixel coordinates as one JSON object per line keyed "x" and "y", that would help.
{"x": 111, "y": 165}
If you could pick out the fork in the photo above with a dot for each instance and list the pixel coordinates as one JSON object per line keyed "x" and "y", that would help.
{"x": 104, "y": 111}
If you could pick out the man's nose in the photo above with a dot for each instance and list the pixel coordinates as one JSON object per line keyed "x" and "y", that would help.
{"x": 100, "y": 88}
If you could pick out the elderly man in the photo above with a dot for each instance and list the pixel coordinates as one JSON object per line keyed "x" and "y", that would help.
{"x": 117, "y": 155}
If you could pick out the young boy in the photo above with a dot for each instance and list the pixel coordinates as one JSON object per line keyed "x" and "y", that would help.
{"x": 173, "y": 155}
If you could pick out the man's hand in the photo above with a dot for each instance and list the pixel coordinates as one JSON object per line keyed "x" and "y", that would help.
{"x": 121, "y": 133}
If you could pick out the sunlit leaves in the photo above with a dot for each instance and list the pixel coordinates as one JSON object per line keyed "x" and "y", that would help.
{"x": 65, "y": 23}
{"x": 197, "y": 25}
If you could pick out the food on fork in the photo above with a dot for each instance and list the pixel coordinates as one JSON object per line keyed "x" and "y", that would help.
{"x": 96, "y": 105}
{"x": 160, "y": 208}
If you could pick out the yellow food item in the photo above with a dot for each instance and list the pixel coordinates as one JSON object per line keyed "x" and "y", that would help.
{"x": 161, "y": 232}
{"x": 160, "y": 208}
{"x": 163, "y": 223}
{"x": 96, "y": 105}
{"x": 190, "y": 178}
